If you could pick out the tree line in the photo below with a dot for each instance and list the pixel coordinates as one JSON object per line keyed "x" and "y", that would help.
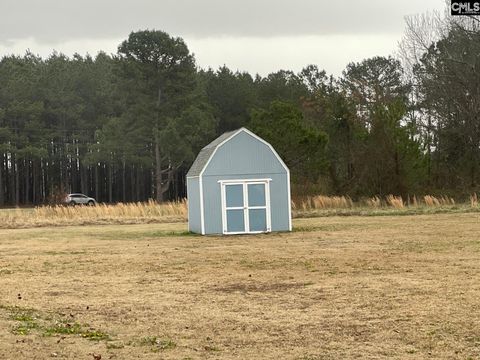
{"x": 126, "y": 127}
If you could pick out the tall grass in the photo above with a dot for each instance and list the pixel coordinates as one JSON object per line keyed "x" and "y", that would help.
{"x": 374, "y": 202}
{"x": 128, "y": 213}
{"x": 438, "y": 201}
{"x": 473, "y": 200}
{"x": 148, "y": 209}
{"x": 395, "y": 201}
{"x": 322, "y": 202}
{"x": 390, "y": 201}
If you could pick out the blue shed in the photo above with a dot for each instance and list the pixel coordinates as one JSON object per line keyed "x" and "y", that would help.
{"x": 238, "y": 185}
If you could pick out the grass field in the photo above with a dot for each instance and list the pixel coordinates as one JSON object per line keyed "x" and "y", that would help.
{"x": 404, "y": 287}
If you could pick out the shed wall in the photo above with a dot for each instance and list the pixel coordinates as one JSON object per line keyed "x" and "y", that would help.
{"x": 193, "y": 194}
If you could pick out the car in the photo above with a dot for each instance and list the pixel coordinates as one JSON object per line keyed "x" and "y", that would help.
{"x": 79, "y": 199}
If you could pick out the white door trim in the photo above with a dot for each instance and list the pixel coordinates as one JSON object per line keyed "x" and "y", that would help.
{"x": 246, "y": 208}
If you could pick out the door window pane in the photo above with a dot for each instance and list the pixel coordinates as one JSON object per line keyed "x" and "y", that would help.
{"x": 257, "y": 219}
{"x": 256, "y": 194}
{"x": 235, "y": 221}
{"x": 234, "y": 195}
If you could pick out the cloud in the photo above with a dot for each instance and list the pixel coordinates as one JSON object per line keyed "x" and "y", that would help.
{"x": 255, "y": 55}
{"x": 265, "y": 55}
{"x": 259, "y": 36}
{"x": 53, "y": 21}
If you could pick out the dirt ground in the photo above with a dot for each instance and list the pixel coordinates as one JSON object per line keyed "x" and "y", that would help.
{"x": 404, "y": 287}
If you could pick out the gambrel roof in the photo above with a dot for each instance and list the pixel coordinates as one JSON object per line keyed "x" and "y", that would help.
{"x": 208, "y": 151}
{"x": 202, "y": 158}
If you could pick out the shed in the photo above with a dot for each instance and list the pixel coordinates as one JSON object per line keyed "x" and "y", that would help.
{"x": 238, "y": 185}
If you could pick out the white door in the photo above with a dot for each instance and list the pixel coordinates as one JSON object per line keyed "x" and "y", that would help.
{"x": 246, "y": 206}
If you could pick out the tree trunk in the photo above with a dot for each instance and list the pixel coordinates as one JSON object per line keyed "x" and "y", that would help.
{"x": 96, "y": 183}
{"x": 333, "y": 176}
{"x": 429, "y": 152}
{"x": 166, "y": 186}
{"x": 472, "y": 174}
{"x": 27, "y": 182}
{"x": 11, "y": 180}
{"x": 137, "y": 182}
{"x": 83, "y": 179}
{"x": 17, "y": 184}
{"x": 110, "y": 185}
{"x": 2, "y": 198}
{"x": 74, "y": 175}
{"x": 158, "y": 173}
{"x": 350, "y": 161}
{"x": 42, "y": 186}
{"x": 124, "y": 185}
{"x": 34, "y": 181}
{"x": 132, "y": 184}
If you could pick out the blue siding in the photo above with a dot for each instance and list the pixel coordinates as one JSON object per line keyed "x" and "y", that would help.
{"x": 243, "y": 155}
{"x": 193, "y": 193}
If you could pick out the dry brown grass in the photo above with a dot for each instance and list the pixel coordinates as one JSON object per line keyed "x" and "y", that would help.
{"x": 395, "y": 201}
{"x": 128, "y": 210}
{"x": 322, "y": 202}
{"x": 438, "y": 201}
{"x": 474, "y": 200}
{"x": 336, "y": 288}
{"x": 376, "y": 202}
{"x": 128, "y": 213}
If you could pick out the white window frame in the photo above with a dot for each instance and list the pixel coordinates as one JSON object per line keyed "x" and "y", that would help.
{"x": 246, "y": 208}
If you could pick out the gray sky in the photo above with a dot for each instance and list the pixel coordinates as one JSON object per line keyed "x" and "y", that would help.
{"x": 257, "y": 36}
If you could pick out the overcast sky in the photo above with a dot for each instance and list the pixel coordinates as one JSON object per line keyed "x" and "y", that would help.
{"x": 259, "y": 36}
